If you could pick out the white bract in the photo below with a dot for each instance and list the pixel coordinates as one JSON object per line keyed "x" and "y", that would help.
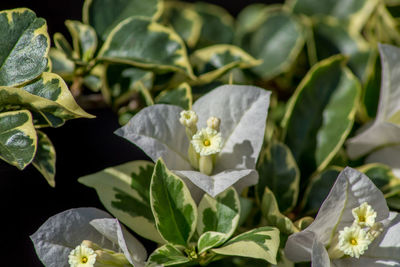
{"x": 352, "y": 228}
{"x": 86, "y": 237}
{"x": 231, "y": 121}
{"x": 385, "y": 130}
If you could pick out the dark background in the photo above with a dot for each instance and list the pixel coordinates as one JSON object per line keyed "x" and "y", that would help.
{"x": 83, "y": 146}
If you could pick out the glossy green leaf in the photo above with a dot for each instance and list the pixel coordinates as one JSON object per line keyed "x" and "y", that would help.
{"x": 124, "y": 191}
{"x": 166, "y": 255}
{"x": 184, "y": 20}
{"x": 270, "y": 211}
{"x": 336, "y": 8}
{"x": 279, "y": 172}
{"x": 62, "y": 65}
{"x": 218, "y": 25}
{"x": 174, "y": 210}
{"x": 218, "y": 218}
{"x": 382, "y": 176}
{"x": 259, "y": 243}
{"x": 45, "y": 158}
{"x": 24, "y": 46}
{"x": 315, "y": 130}
{"x": 249, "y": 18}
{"x": 17, "y": 138}
{"x": 104, "y": 15}
{"x": 332, "y": 37}
{"x": 122, "y": 81}
{"x": 180, "y": 96}
{"x": 212, "y": 62}
{"x": 278, "y": 41}
{"x": 318, "y": 189}
{"x": 143, "y": 43}
{"x": 84, "y": 39}
{"x": 63, "y": 46}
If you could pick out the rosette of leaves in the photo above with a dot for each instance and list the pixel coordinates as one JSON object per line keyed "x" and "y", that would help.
{"x": 31, "y": 96}
{"x": 138, "y": 53}
{"x": 156, "y": 204}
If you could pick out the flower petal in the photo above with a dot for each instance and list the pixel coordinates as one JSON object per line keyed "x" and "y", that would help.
{"x": 320, "y": 257}
{"x": 158, "y": 132}
{"x": 299, "y": 246}
{"x": 243, "y": 112}
{"x": 215, "y": 184}
{"x": 133, "y": 250}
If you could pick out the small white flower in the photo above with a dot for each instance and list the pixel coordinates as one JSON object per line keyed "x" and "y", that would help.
{"x": 364, "y": 215}
{"x": 213, "y": 123}
{"x": 188, "y": 118}
{"x": 82, "y": 256}
{"x": 207, "y": 142}
{"x": 353, "y": 241}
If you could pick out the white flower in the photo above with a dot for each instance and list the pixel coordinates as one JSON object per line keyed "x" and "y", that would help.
{"x": 353, "y": 241}
{"x": 74, "y": 228}
{"x": 207, "y": 141}
{"x": 243, "y": 112}
{"x": 335, "y": 232}
{"x": 82, "y": 256}
{"x": 364, "y": 215}
{"x": 188, "y": 118}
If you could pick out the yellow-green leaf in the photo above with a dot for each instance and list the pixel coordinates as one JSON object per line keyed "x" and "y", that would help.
{"x": 84, "y": 39}
{"x": 45, "y": 158}
{"x": 180, "y": 96}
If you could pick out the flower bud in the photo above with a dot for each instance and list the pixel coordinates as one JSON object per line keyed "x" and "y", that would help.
{"x": 213, "y": 123}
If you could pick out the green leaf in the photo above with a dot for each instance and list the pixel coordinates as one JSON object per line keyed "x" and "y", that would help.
{"x": 17, "y": 138}
{"x": 318, "y": 189}
{"x": 218, "y": 25}
{"x": 180, "y": 96}
{"x": 218, "y": 218}
{"x": 249, "y": 18}
{"x": 278, "y": 41}
{"x": 174, "y": 210}
{"x": 278, "y": 171}
{"x": 62, "y": 65}
{"x": 270, "y": 211}
{"x": 24, "y": 46}
{"x": 84, "y": 39}
{"x": 166, "y": 255}
{"x": 332, "y": 37}
{"x": 315, "y": 130}
{"x": 121, "y": 82}
{"x": 45, "y": 158}
{"x": 104, "y": 15}
{"x": 184, "y": 20}
{"x": 63, "y": 46}
{"x": 143, "y": 43}
{"x": 212, "y": 62}
{"x": 382, "y": 176}
{"x": 260, "y": 243}
{"x": 336, "y": 8}
{"x": 124, "y": 191}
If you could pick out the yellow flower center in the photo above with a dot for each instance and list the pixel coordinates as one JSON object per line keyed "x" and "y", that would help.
{"x": 187, "y": 116}
{"x": 361, "y": 218}
{"x": 206, "y": 142}
{"x": 353, "y": 241}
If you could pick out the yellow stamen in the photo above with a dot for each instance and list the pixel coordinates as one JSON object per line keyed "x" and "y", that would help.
{"x": 361, "y": 218}
{"x": 206, "y": 142}
{"x": 353, "y": 241}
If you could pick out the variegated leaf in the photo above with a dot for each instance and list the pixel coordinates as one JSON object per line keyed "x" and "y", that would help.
{"x": 24, "y": 46}
{"x": 104, "y": 15}
{"x": 218, "y": 218}
{"x": 166, "y": 255}
{"x": 142, "y": 43}
{"x": 212, "y": 62}
{"x": 84, "y": 39}
{"x": 63, "y": 46}
{"x": 270, "y": 211}
{"x": 184, "y": 20}
{"x": 218, "y": 25}
{"x": 62, "y": 65}
{"x": 45, "y": 158}
{"x": 18, "y": 140}
{"x": 260, "y": 243}
{"x": 278, "y": 170}
{"x": 125, "y": 192}
{"x": 315, "y": 130}
{"x": 180, "y": 96}
{"x": 174, "y": 210}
